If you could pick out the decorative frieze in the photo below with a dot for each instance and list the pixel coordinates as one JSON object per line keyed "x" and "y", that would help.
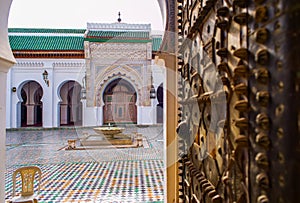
{"x": 29, "y": 64}
{"x": 68, "y": 64}
{"x": 118, "y": 26}
{"x": 131, "y": 51}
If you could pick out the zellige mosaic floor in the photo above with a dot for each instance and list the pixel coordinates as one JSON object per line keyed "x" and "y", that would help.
{"x": 110, "y": 175}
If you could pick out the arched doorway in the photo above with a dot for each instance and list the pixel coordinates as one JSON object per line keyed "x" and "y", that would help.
{"x": 70, "y": 106}
{"x": 119, "y": 98}
{"x": 31, "y": 106}
{"x": 160, "y": 105}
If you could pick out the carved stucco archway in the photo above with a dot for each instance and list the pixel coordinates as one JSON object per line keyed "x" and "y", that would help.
{"x": 20, "y": 104}
{"x": 68, "y": 108}
{"x": 113, "y": 72}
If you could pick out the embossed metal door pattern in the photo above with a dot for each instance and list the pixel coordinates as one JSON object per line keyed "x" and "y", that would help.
{"x": 238, "y": 91}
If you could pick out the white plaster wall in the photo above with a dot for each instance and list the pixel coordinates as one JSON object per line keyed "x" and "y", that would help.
{"x": 99, "y": 116}
{"x": 57, "y": 75}
{"x": 89, "y": 115}
{"x": 146, "y": 115}
{"x": 8, "y": 100}
{"x": 59, "y": 72}
{"x": 159, "y": 76}
{"x": 64, "y": 71}
{"x": 19, "y": 76}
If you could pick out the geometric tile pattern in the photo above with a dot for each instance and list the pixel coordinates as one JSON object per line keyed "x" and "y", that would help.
{"x": 101, "y": 175}
{"x": 122, "y": 181}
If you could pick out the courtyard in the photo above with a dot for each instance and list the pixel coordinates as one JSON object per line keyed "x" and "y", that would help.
{"x": 106, "y": 174}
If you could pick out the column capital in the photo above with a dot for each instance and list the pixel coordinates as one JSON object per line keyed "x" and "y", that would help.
{"x": 6, "y": 64}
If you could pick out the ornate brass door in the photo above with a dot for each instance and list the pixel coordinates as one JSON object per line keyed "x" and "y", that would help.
{"x": 238, "y": 93}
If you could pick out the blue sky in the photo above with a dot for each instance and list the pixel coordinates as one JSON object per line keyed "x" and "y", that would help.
{"x": 76, "y": 13}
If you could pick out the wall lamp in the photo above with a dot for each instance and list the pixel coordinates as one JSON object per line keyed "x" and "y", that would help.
{"x": 45, "y": 77}
{"x": 152, "y": 92}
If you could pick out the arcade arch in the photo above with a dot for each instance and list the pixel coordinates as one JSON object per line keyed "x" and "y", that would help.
{"x": 70, "y": 107}
{"x": 31, "y": 105}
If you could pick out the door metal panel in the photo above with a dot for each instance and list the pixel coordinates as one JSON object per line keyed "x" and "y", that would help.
{"x": 238, "y": 92}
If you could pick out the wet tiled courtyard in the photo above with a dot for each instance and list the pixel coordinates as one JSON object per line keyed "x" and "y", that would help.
{"x": 107, "y": 174}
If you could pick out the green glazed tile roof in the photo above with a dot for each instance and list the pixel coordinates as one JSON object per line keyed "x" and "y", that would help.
{"x": 156, "y": 42}
{"x": 58, "y": 43}
{"x": 46, "y": 30}
{"x": 72, "y": 39}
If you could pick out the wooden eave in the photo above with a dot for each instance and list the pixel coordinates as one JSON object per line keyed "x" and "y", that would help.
{"x": 77, "y": 54}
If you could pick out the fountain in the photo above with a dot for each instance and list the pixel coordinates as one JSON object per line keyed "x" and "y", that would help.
{"x": 108, "y": 131}
{"x": 107, "y": 135}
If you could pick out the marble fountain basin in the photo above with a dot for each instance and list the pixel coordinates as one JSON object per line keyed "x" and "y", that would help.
{"x": 109, "y": 132}
{"x": 108, "y": 135}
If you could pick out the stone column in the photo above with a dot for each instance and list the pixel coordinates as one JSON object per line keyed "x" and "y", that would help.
{"x": 153, "y": 111}
{"x": 63, "y": 114}
{"x": 30, "y": 114}
{"x": 83, "y": 101}
{"x": 2, "y": 134}
{"x": 6, "y": 61}
{"x": 56, "y": 99}
{"x": 90, "y": 115}
{"x": 15, "y": 110}
{"x": 9, "y": 94}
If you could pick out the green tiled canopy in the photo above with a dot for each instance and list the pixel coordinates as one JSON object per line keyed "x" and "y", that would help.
{"x": 72, "y": 39}
{"x": 156, "y": 41}
{"x": 58, "y": 43}
{"x": 46, "y": 30}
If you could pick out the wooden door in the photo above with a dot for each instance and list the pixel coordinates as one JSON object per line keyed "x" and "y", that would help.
{"x": 120, "y": 105}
